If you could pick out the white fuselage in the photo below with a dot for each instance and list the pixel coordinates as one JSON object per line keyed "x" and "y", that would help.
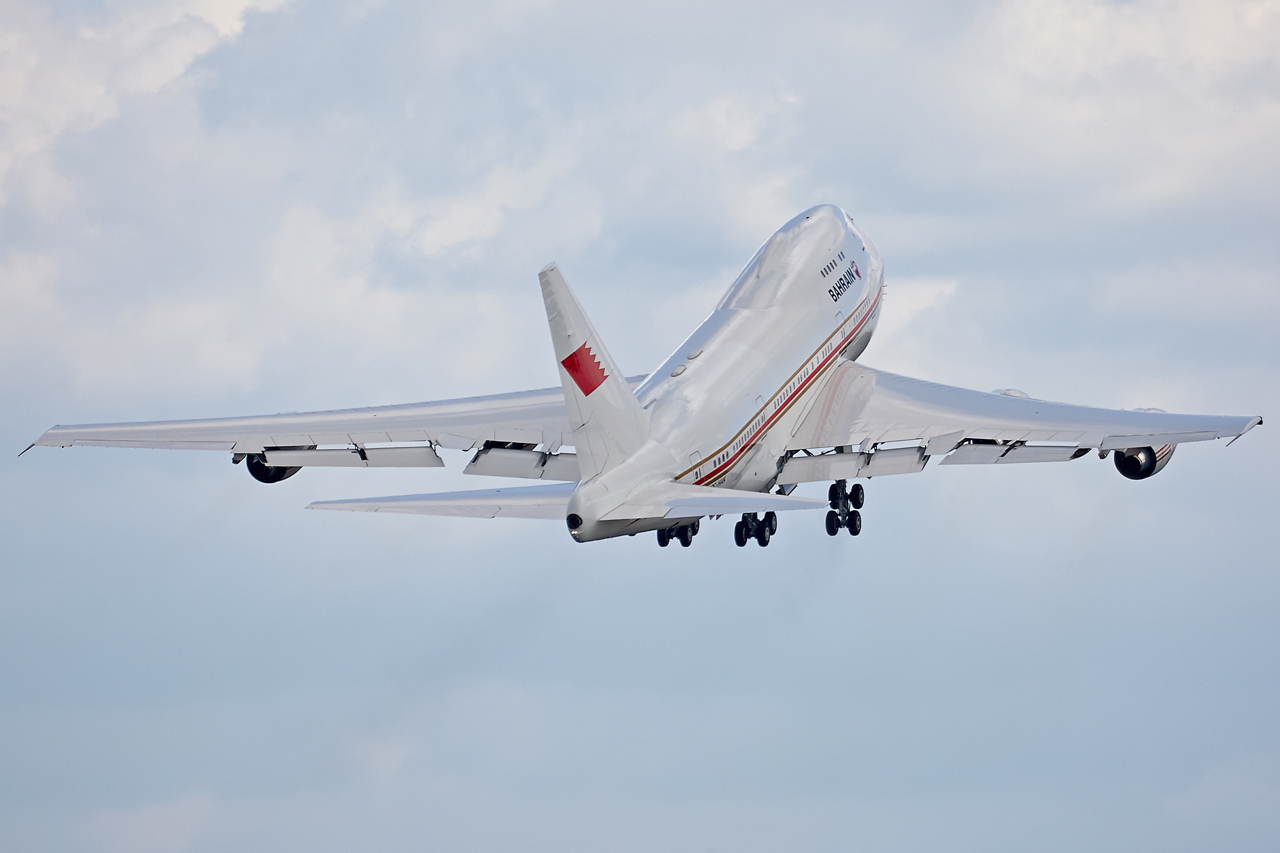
{"x": 723, "y": 406}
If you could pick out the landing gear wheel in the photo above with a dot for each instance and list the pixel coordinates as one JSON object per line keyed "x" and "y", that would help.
{"x": 697, "y": 524}
{"x": 685, "y": 534}
{"x": 771, "y": 521}
{"x": 854, "y": 523}
{"x": 833, "y": 522}
{"x": 762, "y": 535}
{"x": 664, "y": 536}
{"x": 740, "y": 534}
{"x": 833, "y": 495}
{"x": 857, "y": 496}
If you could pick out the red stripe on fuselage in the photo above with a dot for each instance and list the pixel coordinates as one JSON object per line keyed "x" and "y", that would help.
{"x": 724, "y": 467}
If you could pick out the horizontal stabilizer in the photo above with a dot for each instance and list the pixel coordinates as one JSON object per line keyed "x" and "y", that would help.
{"x": 678, "y": 500}
{"x": 542, "y": 501}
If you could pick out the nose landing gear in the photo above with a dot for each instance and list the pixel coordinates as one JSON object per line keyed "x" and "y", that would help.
{"x": 845, "y": 503}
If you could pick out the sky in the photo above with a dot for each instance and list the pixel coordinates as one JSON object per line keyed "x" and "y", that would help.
{"x": 223, "y": 207}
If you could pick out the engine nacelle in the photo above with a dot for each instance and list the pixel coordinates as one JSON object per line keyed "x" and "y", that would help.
{"x": 1139, "y": 463}
{"x": 264, "y": 473}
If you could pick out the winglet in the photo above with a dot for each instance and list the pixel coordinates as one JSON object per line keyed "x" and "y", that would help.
{"x": 1253, "y": 423}
{"x": 29, "y": 446}
{"x": 608, "y": 423}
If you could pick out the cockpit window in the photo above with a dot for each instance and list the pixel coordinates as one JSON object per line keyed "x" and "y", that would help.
{"x": 791, "y": 258}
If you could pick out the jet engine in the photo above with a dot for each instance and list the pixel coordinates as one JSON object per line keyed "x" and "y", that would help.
{"x": 264, "y": 473}
{"x": 1139, "y": 463}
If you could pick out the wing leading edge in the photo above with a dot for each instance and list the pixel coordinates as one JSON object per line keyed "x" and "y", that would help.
{"x": 865, "y": 407}
{"x": 526, "y": 417}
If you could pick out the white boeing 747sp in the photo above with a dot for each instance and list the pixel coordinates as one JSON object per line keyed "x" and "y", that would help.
{"x": 767, "y": 393}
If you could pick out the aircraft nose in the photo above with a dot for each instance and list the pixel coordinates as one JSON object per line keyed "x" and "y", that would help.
{"x": 816, "y": 213}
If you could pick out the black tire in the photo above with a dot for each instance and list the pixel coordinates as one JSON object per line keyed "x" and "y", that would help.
{"x": 833, "y": 495}
{"x": 664, "y": 536}
{"x": 696, "y": 526}
{"x": 740, "y": 534}
{"x": 854, "y": 523}
{"x": 762, "y": 535}
{"x": 685, "y": 534}
{"x": 771, "y": 520}
{"x": 857, "y": 496}
{"x": 833, "y": 522}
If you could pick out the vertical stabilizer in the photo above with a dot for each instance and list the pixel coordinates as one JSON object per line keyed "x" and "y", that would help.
{"x": 608, "y": 423}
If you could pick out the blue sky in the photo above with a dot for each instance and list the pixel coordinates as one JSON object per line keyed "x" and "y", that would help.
{"x": 229, "y": 207}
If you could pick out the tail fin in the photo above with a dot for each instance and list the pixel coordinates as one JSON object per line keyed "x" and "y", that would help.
{"x": 608, "y": 423}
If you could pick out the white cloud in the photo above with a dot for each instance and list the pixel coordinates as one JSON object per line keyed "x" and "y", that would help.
{"x": 1221, "y": 294}
{"x": 58, "y": 77}
{"x": 316, "y": 299}
{"x": 753, "y": 198}
{"x": 320, "y": 288}
{"x": 1149, "y": 102}
{"x": 728, "y": 123}
{"x": 381, "y": 758}
{"x": 902, "y": 235}
{"x": 478, "y": 214}
{"x": 895, "y": 347}
{"x": 170, "y": 827}
{"x": 26, "y": 289}
{"x": 458, "y": 32}
{"x": 1243, "y": 794}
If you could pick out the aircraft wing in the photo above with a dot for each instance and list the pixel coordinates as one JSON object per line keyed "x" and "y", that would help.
{"x": 541, "y": 501}
{"x": 527, "y": 417}
{"x": 863, "y": 406}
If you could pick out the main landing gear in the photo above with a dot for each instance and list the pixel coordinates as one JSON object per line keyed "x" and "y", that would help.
{"x": 845, "y": 503}
{"x": 754, "y": 527}
{"x": 684, "y": 533}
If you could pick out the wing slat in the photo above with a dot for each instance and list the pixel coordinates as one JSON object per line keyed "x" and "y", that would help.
{"x": 860, "y": 404}
{"x": 536, "y": 417}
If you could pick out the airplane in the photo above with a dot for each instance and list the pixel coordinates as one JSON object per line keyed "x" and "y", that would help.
{"x": 767, "y": 393}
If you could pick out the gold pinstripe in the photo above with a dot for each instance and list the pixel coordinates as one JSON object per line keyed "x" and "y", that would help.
{"x": 790, "y": 401}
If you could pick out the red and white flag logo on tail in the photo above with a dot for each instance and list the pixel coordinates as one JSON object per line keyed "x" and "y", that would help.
{"x": 585, "y": 369}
